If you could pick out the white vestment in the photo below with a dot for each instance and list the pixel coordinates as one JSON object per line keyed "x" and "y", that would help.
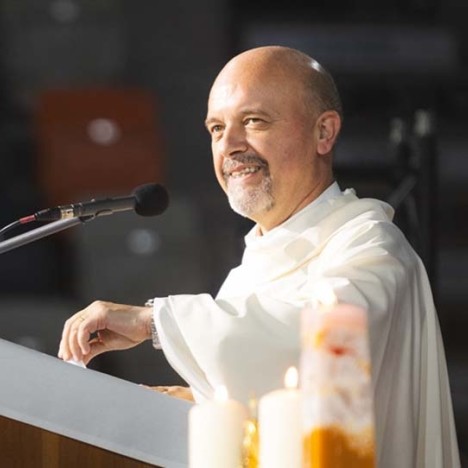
{"x": 248, "y": 335}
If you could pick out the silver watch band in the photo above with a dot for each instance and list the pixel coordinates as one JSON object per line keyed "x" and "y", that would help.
{"x": 154, "y": 331}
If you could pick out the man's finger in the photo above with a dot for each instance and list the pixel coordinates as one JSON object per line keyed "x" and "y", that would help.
{"x": 67, "y": 337}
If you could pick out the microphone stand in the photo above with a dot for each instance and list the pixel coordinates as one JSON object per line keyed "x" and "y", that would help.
{"x": 40, "y": 232}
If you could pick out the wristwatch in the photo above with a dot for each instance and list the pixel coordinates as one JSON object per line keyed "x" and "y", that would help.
{"x": 154, "y": 330}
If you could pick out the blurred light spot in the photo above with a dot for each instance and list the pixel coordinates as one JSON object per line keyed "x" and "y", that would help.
{"x": 65, "y": 11}
{"x": 143, "y": 241}
{"x": 103, "y": 131}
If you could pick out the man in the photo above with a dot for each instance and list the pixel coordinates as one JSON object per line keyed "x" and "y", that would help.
{"x": 274, "y": 115}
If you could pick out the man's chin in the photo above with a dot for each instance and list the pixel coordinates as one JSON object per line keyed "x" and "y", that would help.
{"x": 249, "y": 208}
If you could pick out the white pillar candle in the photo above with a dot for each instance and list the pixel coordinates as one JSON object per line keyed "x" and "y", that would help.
{"x": 280, "y": 426}
{"x": 216, "y": 431}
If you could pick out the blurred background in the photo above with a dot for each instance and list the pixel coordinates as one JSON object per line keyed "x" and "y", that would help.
{"x": 100, "y": 96}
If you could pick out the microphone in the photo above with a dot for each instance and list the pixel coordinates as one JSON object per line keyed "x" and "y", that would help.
{"x": 146, "y": 200}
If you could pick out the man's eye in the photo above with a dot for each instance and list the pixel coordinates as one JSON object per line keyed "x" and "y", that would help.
{"x": 216, "y": 128}
{"x": 253, "y": 121}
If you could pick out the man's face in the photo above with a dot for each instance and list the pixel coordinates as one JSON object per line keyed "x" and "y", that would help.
{"x": 263, "y": 144}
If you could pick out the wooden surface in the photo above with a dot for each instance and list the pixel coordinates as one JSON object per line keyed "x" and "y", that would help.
{"x": 26, "y": 446}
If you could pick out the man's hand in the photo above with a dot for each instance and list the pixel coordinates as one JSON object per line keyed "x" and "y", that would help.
{"x": 113, "y": 326}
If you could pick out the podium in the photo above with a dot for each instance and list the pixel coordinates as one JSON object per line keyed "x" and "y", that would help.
{"x": 54, "y": 414}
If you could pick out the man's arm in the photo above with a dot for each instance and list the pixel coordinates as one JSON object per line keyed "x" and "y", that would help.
{"x": 110, "y": 326}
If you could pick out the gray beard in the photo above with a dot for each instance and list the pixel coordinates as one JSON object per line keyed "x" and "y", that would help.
{"x": 251, "y": 201}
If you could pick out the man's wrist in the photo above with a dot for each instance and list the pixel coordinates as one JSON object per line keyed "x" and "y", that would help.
{"x": 153, "y": 331}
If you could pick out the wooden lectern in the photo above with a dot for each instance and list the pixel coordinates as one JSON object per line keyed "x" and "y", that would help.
{"x": 57, "y": 415}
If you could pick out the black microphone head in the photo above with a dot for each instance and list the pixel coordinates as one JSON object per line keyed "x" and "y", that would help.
{"x": 150, "y": 199}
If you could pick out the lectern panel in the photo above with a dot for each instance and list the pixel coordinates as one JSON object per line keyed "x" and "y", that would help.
{"x": 23, "y": 445}
{"x": 92, "y": 408}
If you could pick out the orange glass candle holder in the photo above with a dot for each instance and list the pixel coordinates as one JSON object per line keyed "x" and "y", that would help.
{"x": 338, "y": 414}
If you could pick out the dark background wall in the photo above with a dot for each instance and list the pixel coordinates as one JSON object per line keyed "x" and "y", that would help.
{"x": 391, "y": 60}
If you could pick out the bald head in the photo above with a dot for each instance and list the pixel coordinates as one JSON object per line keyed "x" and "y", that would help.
{"x": 273, "y": 117}
{"x": 286, "y": 65}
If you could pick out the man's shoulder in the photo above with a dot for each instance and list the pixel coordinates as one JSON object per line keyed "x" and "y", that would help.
{"x": 365, "y": 224}
{"x": 349, "y": 213}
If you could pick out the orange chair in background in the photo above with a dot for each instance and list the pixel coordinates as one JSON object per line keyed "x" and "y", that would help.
{"x": 97, "y": 142}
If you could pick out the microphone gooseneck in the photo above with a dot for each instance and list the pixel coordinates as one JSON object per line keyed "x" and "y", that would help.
{"x": 146, "y": 200}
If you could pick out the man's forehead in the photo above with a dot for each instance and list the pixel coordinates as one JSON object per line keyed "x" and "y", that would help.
{"x": 256, "y": 97}
{"x": 222, "y": 91}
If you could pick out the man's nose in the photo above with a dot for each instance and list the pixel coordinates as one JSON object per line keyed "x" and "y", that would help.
{"x": 233, "y": 141}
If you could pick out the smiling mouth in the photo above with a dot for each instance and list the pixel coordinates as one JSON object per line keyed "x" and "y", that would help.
{"x": 242, "y": 172}
{"x": 243, "y": 166}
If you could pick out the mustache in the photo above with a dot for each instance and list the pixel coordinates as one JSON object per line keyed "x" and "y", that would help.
{"x": 238, "y": 160}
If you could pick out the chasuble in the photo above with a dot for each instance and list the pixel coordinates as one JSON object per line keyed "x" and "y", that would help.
{"x": 248, "y": 335}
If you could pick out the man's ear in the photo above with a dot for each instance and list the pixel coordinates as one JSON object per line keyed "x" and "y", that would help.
{"x": 328, "y": 127}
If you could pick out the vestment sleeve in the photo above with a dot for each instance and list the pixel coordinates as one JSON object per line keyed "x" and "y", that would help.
{"x": 229, "y": 342}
